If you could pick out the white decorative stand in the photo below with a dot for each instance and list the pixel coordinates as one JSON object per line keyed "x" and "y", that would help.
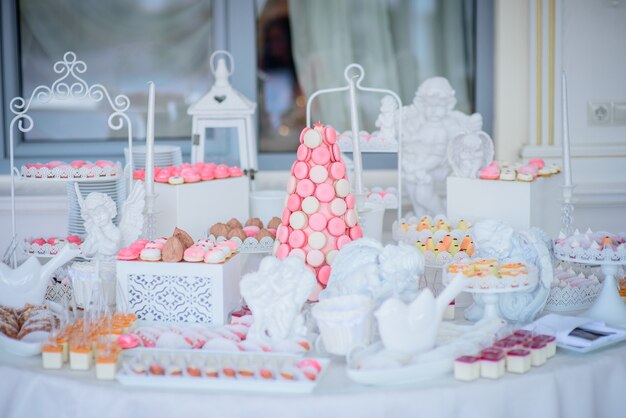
{"x": 520, "y": 204}
{"x": 608, "y": 307}
{"x": 354, "y": 74}
{"x": 194, "y": 207}
{"x": 69, "y": 85}
{"x": 490, "y": 296}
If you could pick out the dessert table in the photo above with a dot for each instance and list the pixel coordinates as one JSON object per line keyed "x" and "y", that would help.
{"x": 569, "y": 385}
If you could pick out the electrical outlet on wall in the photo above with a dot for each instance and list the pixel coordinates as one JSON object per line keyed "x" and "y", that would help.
{"x": 599, "y": 113}
{"x": 619, "y": 113}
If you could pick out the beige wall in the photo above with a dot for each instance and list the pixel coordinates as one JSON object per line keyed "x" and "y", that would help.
{"x": 511, "y": 120}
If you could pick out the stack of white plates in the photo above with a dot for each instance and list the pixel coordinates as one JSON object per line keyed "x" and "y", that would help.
{"x": 116, "y": 189}
{"x": 164, "y": 155}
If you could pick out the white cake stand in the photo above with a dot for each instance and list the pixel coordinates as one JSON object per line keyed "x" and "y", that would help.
{"x": 608, "y": 307}
{"x": 491, "y": 295}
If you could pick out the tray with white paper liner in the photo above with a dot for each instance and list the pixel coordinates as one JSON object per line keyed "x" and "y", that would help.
{"x": 250, "y": 372}
{"x": 230, "y": 338}
{"x": 250, "y": 245}
{"x": 89, "y": 173}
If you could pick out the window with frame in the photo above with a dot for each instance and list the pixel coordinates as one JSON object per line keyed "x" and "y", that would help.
{"x": 298, "y": 46}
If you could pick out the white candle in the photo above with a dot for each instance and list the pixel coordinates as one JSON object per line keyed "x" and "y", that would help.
{"x": 150, "y": 142}
{"x": 356, "y": 151}
{"x": 567, "y": 169}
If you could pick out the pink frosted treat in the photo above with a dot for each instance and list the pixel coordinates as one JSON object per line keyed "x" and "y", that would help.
{"x": 128, "y": 254}
{"x": 319, "y": 216}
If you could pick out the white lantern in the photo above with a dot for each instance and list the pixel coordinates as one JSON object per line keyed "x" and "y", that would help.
{"x": 222, "y": 122}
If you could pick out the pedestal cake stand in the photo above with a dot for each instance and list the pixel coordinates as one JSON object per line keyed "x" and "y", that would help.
{"x": 608, "y": 307}
{"x": 490, "y": 295}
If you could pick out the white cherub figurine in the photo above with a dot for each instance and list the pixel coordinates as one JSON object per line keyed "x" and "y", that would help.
{"x": 275, "y": 295}
{"x": 104, "y": 239}
{"x": 468, "y": 152}
{"x": 386, "y": 121}
{"x": 428, "y": 126}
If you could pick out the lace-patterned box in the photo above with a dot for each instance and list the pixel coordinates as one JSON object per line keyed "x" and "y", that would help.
{"x": 179, "y": 292}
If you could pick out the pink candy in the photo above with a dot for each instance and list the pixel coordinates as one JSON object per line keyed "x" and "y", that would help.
{"x": 199, "y": 171}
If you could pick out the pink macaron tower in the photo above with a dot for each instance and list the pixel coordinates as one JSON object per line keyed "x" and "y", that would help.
{"x": 319, "y": 216}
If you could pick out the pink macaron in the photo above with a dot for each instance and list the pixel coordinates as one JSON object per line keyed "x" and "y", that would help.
{"x": 325, "y": 192}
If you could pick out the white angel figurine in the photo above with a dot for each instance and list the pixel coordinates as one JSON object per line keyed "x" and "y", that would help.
{"x": 386, "y": 121}
{"x": 468, "y": 152}
{"x": 428, "y": 126}
{"x": 275, "y": 295}
{"x": 104, "y": 239}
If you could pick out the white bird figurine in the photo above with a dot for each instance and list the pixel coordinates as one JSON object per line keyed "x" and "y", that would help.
{"x": 28, "y": 282}
{"x": 411, "y": 329}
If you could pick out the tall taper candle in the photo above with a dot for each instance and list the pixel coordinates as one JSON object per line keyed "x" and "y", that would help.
{"x": 356, "y": 151}
{"x": 150, "y": 142}
{"x": 567, "y": 168}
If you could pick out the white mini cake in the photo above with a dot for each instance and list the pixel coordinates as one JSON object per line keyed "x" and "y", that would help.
{"x": 80, "y": 358}
{"x": 106, "y": 368}
{"x": 449, "y": 312}
{"x": 518, "y": 361}
{"x": 538, "y": 352}
{"x": 550, "y": 344}
{"x": 467, "y": 368}
{"x": 52, "y": 356}
{"x": 492, "y": 363}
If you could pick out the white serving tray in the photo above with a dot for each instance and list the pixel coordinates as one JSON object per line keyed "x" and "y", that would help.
{"x": 401, "y": 375}
{"x": 73, "y": 174}
{"x": 223, "y": 383}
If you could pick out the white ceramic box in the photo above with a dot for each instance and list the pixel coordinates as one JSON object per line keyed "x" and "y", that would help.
{"x": 194, "y": 207}
{"x": 521, "y": 204}
{"x": 180, "y": 292}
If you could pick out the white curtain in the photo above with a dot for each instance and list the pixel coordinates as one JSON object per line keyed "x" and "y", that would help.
{"x": 327, "y": 36}
{"x": 400, "y": 43}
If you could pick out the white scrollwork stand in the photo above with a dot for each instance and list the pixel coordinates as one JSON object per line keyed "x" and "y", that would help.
{"x": 354, "y": 74}
{"x": 608, "y": 307}
{"x": 490, "y": 296}
{"x": 69, "y": 85}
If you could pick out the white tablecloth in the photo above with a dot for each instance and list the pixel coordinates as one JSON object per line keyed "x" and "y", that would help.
{"x": 569, "y": 385}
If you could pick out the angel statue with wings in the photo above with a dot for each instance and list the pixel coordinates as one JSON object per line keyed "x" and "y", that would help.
{"x": 469, "y": 152}
{"x": 429, "y": 124}
{"x": 104, "y": 239}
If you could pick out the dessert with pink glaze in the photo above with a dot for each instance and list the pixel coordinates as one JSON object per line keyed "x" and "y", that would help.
{"x": 491, "y": 172}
